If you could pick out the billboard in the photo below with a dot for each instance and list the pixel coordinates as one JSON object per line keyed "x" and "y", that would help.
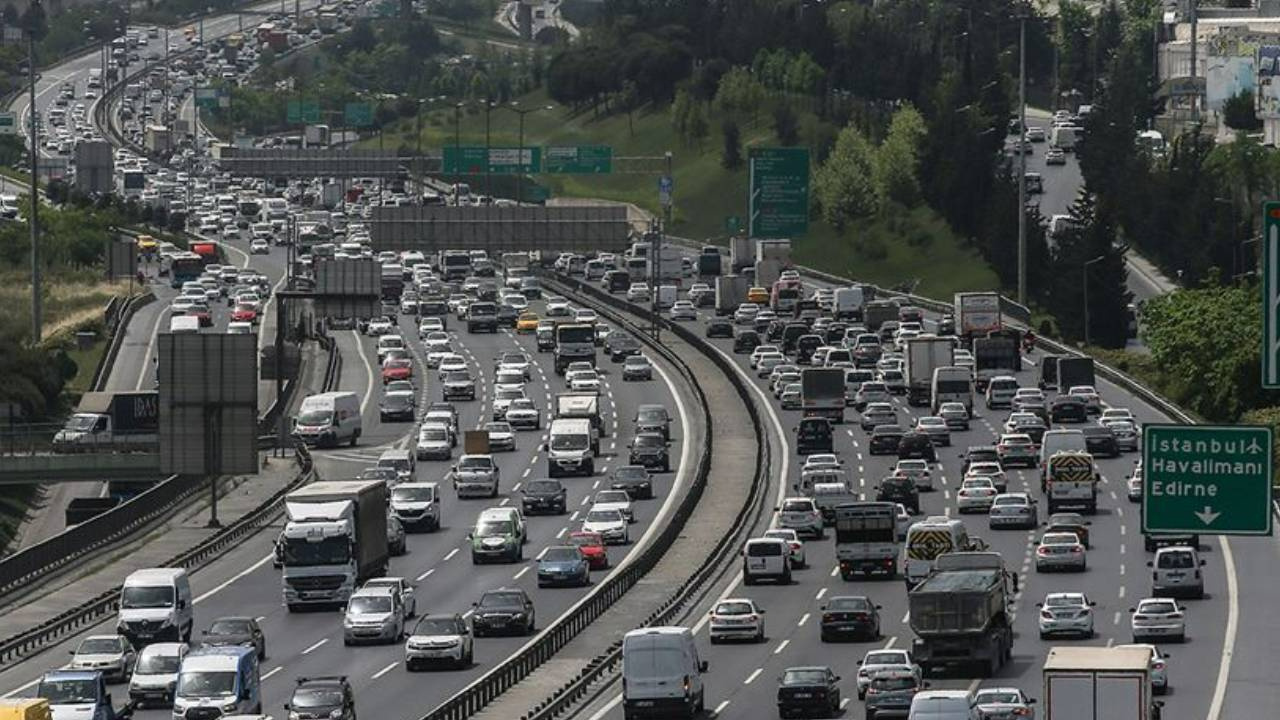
{"x": 1226, "y": 77}
{"x": 348, "y": 288}
{"x": 95, "y": 166}
{"x": 208, "y": 403}
{"x": 1269, "y": 82}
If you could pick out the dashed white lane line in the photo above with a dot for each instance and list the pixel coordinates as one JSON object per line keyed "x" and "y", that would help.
{"x": 520, "y": 574}
{"x": 451, "y": 553}
{"x": 424, "y": 575}
{"x": 574, "y": 516}
{"x": 560, "y": 534}
{"x": 803, "y": 619}
{"x": 720, "y": 708}
{"x": 271, "y": 672}
{"x": 752, "y": 677}
{"x": 1122, "y": 591}
{"x": 821, "y": 593}
{"x": 781, "y": 646}
{"x": 315, "y": 647}
{"x": 385, "y": 670}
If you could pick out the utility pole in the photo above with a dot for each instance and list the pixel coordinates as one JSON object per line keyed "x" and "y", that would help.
{"x": 1022, "y": 162}
{"x": 37, "y": 321}
{"x": 1195, "y": 92}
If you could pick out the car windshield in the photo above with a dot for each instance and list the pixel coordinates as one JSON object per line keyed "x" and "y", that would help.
{"x": 1060, "y": 539}
{"x": 206, "y": 684}
{"x": 413, "y": 494}
{"x": 893, "y": 682}
{"x": 436, "y": 626}
{"x": 68, "y": 692}
{"x": 1158, "y": 607}
{"x": 612, "y": 496}
{"x": 649, "y": 441}
{"x": 315, "y": 417}
{"x": 460, "y": 376}
{"x": 475, "y": 463}
{"x": 804, "y": 677}
{"x": 229, "y": 627}
{"x": 586, "y": 540}
{"x": 885, "y": 658}
{"x": 990, "y": 697}
{"x": 134, "y": 597}
{"x": 631, "y": 472}
{"x": 317, "y": 698}
{"x": 1064, "y": 601}
{"x": 1010, "y": 501}
{"x": 569, "y": 441}
{"x": 797, "y": 506}
{"x": 99, "y": 646}
{"x": 734, "y": 608}
{"x": 438, "y": 434}
{"x": 637, "y": 361}
{"x": 493, "y": 527}
{"x": 498, "y": 427}
{"x": 849, "y": 603}
{"x": 604, "y": 516}
{"x": 512, "y": 393}
{"x": 502, "y": 600}
{"x": 157, "y": 664}
{"x": 561, "y": 554}
{"x": 370, "y": 604}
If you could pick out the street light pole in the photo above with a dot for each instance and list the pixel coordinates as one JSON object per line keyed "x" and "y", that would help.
{"x": 1084, "y": 272}
{"x": 488, "y": 189}
{"x": 37, "y": 320}
{"x": 1022, "y": 162}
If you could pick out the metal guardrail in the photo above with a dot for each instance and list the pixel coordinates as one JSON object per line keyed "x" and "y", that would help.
{"x": 480, "y": 693}
{"x": 118, "y": 331}
{"x": 92, "y": 610}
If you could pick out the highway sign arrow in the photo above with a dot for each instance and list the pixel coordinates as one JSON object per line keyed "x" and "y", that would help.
{"x": 1207, "y": 515}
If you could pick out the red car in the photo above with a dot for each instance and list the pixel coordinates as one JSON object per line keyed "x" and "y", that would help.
{"x": 397, "y": 369}
{"x": 244, "y": 313}
{"x": 201, "y": 313}
{"x": 592, "y": 547}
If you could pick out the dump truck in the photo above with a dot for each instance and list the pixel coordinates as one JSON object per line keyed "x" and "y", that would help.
{"x": 1071, "y": 481}
{"x": 924, "y": 355}
{"x": 1099, "y": 683}
{"x": 822, "y": 393}
{"x": 960, "y": 613}
{"x": 977, "y": 314}
{"x": 334, "y": 539}
{"x": 112, "y": 422}
{"x": 731, "y": 291}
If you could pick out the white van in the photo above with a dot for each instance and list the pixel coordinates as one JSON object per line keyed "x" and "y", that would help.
{"x": 667, "y": 295}
{"x": 661, "y": 674}
{"x": 1064, "y": 137}
{"x": 224, "y": 679}
{"x": 952, "y": 384}
{"x": 156, "y": 673}
{"x": 328, "y": 419}
{"x": 403, "y": 462}
{"x": 569, "y": 448}
{"x": 1000, "y": 391}
{"x": 847, "y": 302}
{"x": 155, "y": 606}
{"x": 929, "y": 538}
{"x": 1056, "y": 441}
{"x": 1176, "y": 571}
{"x": 766, "y": 558}
{"x": 179, "y": 324}
{"x": 943, "y": 705}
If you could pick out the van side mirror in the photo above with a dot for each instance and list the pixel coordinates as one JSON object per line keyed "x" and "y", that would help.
{"x": 1202, "y": 563}
{"x": 182, "y": 604}
{"x": 702, "y": 666}
{"x": 286, "y": 706}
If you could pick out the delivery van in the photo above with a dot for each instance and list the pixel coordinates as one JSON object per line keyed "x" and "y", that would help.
{"x": 155, "y": 606}
{"x": 328, "y": 419}
{"x": 661, "y": 673}
{"x": 224, "y": 679}
{"x": 569, "y": 449}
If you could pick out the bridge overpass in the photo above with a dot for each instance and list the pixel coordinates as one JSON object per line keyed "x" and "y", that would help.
{"x": 82, "y": 467}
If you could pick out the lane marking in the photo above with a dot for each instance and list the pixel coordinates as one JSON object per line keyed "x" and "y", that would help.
{"x": 719, "y": 708}
{"x": 271, "y": 672}
{"x": 315, "y": 647}
{"x": 803, "y": 619}
{"x": 752, "y": 677}
{"x": 520, "y": 574}
{"x": 237, "y": 576}
{"x": 1229, "y": 638}
{"x": 424, "y": 575}
{"x": 385, "y": 670}
{"x": 450, "y": 554}
{"x": 781, "y": 646}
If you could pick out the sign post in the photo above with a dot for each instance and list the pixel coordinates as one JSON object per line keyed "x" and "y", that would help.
{"x": 358, "y": 114}
{"x": 1271, "y": 295}
{"x": 578, "y": 159}
{"x": 779, "y": 192}
{"x": 666, "y": 185}
{"x": 1206, "y": 479}
{"x": 478, "y": 160}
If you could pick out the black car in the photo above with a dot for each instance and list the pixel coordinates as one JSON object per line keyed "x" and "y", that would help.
{"x": 814, "y": 435}
{"x": 653, "y": 418}
{"x": 649, "y": 449}
{"x": 237, "y": 631}
{"x": 807, "y": 691}
{"x": 719, "y": 328}
{"x": 507, "y": 611}
{"x": 396, "y": 407}
{"x": 846, "y": 615}
{"x": 620, "y": 346}
{"x": 885, "y": 439}
{"x": 746, "y": 341}
{"x": 917, "y": 446}
{"x": 327, "y": 697}
{"x": 507, "y": 315}
{"x": 773, "y": 330}
{"x": 791, "y": 333}
{"x": 635, "y": 479}
{"x": 544, "y": 496}
{"x": 1100, "y": 441}
{"x": 978, "y": 453}
{"x": 1067, "y": 409}
{"x": 900, "y": 490}
{"x": 805, "y": 345}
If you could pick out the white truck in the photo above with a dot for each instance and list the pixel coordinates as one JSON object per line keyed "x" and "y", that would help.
{"x": 582, "y": 406}
{"x": 731, "y": 291}
{"x": 977, "y": 314}
{"x": 847, "y": 303}
{"x": 778, "y": 251}
{"x": 924, "y": 355}
{"x": 822, "y": 393}
{"x": 112, "y": 422}
{"x": 867, "y": 539}
{"x": 665, "y": 267}
{"x": 742, "y": 253}
{"x": 1099, "y": 683}
{"x": 334, "y": 539}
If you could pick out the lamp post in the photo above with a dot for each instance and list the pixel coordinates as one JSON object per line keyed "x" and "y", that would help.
{"x": 488, "y": 189}
{"x": 35, "y": 13}
{"x": 514, "y": 107}
{"x": 1084, "y": 272}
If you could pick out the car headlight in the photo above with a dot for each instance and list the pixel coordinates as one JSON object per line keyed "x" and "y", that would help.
{"x": 229, "y": 707}
{"x": 293, "y": 715}
{"x": 335, "y": 714}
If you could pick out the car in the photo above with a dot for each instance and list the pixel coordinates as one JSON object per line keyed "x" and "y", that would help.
{"x": 792, "y": 538}
{"x": 476, "y": 471}
{"x": 1074, "y": 523}
{"x": 1013, "y": 510}
{"x": 610, "y": 524}
{"x": 1176, "y": 571}
{"x": 975, "y": 495}
{"x": 501, "y": 436}
{"x": 1100, "y": 441}
{"x": 899, "y": 489}
{"x": 527, "y": 322}
{"x": 111, "y": 655}
{"x": 891, "y": 691}
{"x": 637, "y": 293}
{"x": 236, "y": 631}
{"x": 583, "y": 380}
{"x": 1035, "y": 134}
{"x": 809, "y": 690}
{"x": 637, "y": 367}
{"x": 802, "y": 515}
{"x": 435, "y": 441}
{"x": 563, "y": 565}
{"x": 258, "y": 246}
{"x": 1133, "y": 484}
{"x": 1089, "y": 395}
{"x": 758, "y": 295}
{"x": 850, "y": 615}
{"x": 593, "y": 548}
{"x": 1060, "y": 551}
{"x": 1115, "y": 413}
{"x": 955, "y": 414}
{"x": 439, "y": 638}
{"x": 885, "y": 439}
{"x": 408, "y": 597}
{"x": 375, "y": 614}
{"x": 635, "y": 480}
{"x": 514, "y": 361}
{"x": 736, "y": 619}
{"x": 522, "y": 414}
{"x": 558, "y": 306}
{"x": 871, "y": 391}
{"x": 650, "y": 450}
{"x": 1158, "y": 665}
{"x": 917, "y": 470}
{"x": 398, "y": 369}
{"x": 915, "y": 444}
{"x": 936, "y": 428}
{"x": 1158, "y": 619}
{"x": 1066, "y": 613}
{"x": 791, "y": 399}
{"x": 328, "y": 696}
{"x": 1027, "y": 399}
{"x": 1068, "y": 409}
{"x": 504, "y": 611}
{"x": 719, "y": 328}
{"x": 502, "y": 399}
{"x": 614, "y": 500}
{"x": 620, "y": 346}
{"x": 457, "y": 384}
{"x": 683, "y": 310}
{"x": 991, "y": 471}
{"x": 1055, "y": 156}
{"x": 1017, "y": 448}
{"x": 877, "y": 660}
{"x": 1126, "y": 433}
{"x": 1002, "y": 703}
{"x": 379, "y": 326}
{"x": 398, "y": 405}
{"x": 877, "y": 414}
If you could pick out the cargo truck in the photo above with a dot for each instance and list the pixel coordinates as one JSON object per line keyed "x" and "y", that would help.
{"x": 742, "y": 254}
{"x": 867, "y": 539}
{"x": 710, "y": 261}
{"x": 112, "y": 422}
{"x": 575, "y": 342}
{"x": 778, "y": 251}
{"x": 1099, "y": 683}
{"x": 878, "y": 312}
{"x": 995, "y": 355}
{"x": 582, "y": 406}
{"x": 961, "y": 612}
{"x": 924, "y": 355}
{"x": 731, "y": 291}
{"x": 977, "y": 314}
{"x": 1075, "y": 371}
{"x": 822, "y": 393}
{"x": 1071, "y": 481}
{"x": 334, "y": 539}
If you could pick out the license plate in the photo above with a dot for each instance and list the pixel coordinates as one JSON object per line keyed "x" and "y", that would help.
{"x": 644, "y": 703}
{"x": 801, "y": 696}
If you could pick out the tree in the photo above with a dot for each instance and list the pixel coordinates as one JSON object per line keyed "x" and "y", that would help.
{"x": 739, "y": 94}
{"x": 731, "y": 158}
{"x": 681, "y": 110}
{"x": 1086, "y": 254}
{"x": 897, "y": 159}
{"x": 844, "y": 182}
{"x": 699, "y": 126}
{"x": 629, "y": 102}
{"x": 1238, "y": 112}
{"x": 785, "y": 125}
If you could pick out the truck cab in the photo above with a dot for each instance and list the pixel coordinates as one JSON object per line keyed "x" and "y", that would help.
{"x": 335, "y": 538}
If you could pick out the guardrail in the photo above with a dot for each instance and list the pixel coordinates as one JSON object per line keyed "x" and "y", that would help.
{"x": 94, "y": 609}
{"x": 118, "y": 330}
{"x": 478, "y": 694}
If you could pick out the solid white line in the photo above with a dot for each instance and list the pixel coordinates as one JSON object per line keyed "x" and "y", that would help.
{"x": 751, "y": 678}
{"x": 151, "y": 347}
{"x": 424, "y": 575}
{"x": 368, "y": 369}
{"x": 385, "y": 670}
{"x": 1229, "y": 638}
{"x": 234, "y": 578}
{"x": 313, "y": 647}
{"x": 271, "y": 672}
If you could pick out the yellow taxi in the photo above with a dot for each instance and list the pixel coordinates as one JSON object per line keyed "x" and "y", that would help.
{"x": 758, "y": 295}
{"x": 147, "y": 244}
{"x": 527, "y": 322}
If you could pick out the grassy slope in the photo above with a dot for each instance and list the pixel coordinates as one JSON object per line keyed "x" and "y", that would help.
{"x": 706, "y": 193}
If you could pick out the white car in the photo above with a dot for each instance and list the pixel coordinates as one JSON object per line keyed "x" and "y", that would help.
{"x": 514, "y": 361}
{"x": 611, "y": 524}
{"x": 876, "y": 660}
{"x": 1112, "y": 413}
{"x": 583, "y": 381}
{"x": 746, "y": 314}
{"x": 429, "y": 325}
{"x": 451, "y": 362}
{"x": 999, "y": 703}
{"x": 524, "y": 415}
{"x": 683, "y": 310}
{"x": 1066, "y": 613}
{"x": 379, "y": 326}
{"x": 991, "y": 471}
{"x": 1060, "y": 551}
{"x": 439, "y": 638}
{"x": 802, "y": 515}
{"x": 401, "y": 585}
{"x": 753, "y": 360}
{"x": 501, "y": 437}
{"x": 792, "y": 539}
{"x": 438, "y": 351}
{"x": 585, "y": 315}
{"x": 917, "y": 470}
{"x": 1087, "y": 393}
{"x": 821, "y": 460}
{"x": 614, "y": 500}
{"x": 258, "y": 246}
{"x": 737, "y": 619}
{"x": 975, "y": 495}
{"x": 768, "y": 362}
{"x": 434, "y": 442}
{"x": 639, "y": 292}
{"x": 1158, "y": 619}
{"x": 111, "y": 655}
{"x": 557, "y": 306}
{"x": 1159, "y": 667}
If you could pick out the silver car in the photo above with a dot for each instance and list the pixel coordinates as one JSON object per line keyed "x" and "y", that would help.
{"x": 111, "y": 655}
{"x": 1015, "y": 510}
{"x": 1060, "y": 551}
{"x": 374, "y": 614}
{"x": 1066, "y": 613}
{"x": 1003, "y": 703}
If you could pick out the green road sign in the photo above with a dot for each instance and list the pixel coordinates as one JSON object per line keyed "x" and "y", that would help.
{"x": 779, "y": 192}
{"x": 1271, "y": 295}
{"x": 732, "y": 224}
{"x": 358, "y": 114}
{"x": 578, "y": 159}
{"x": 477, "y": 160}
{"x": 1206, "y": 479}
{"x": 302, "y": 112}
